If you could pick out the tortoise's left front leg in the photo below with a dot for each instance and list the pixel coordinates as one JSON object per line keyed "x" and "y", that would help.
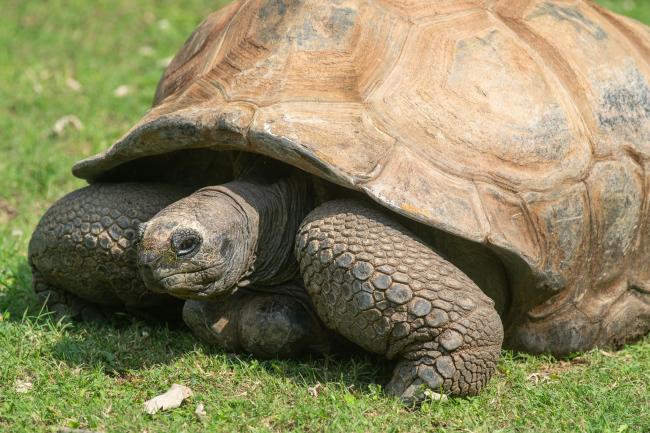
{"x": 83, "y": 253}
{"x": 382, "y": 288}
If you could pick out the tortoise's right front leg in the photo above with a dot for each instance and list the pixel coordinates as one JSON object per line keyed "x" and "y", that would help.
{"x": 83, "y": 251}
{"x": 382, "y": 288}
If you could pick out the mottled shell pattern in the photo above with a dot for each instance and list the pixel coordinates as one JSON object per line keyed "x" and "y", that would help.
{"x": 521, "y": 125}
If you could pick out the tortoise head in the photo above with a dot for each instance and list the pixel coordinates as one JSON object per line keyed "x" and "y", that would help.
{"x": 198, "y": 247}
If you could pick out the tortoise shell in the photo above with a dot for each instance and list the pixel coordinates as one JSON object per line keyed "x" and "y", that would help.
{"x": 520, "y": 125}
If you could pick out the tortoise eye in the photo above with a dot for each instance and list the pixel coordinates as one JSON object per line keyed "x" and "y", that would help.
{"x": 185, "y": 242}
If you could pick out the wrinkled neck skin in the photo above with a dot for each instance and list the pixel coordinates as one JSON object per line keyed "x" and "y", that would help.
{"x": 223, "y": 237}
{"x": 271, "y": 215}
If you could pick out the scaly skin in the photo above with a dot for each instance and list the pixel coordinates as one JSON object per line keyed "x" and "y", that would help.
{"x": 84, "y": 249}
{"x": 369, "y": 279}
{"x": 83, "y": 255}
{"x": 382, "y": 288}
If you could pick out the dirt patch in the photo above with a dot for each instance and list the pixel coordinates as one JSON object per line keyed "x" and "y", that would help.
{"x": 7, "y": 212}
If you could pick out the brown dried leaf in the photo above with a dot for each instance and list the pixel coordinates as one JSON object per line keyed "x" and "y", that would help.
{"x": 73, "y": 84}
{"x": 200, "y": 412}
{"x": 537, "y": 378}
{"x": 172, "y": 399}
{"x": 7, "y": 212}
{"x": 23, "y": 386}
{"x": 315, "y": 390}
{"x": 607, "y": 354}
{"x": 122, "y": 91}
{"x": 580, "y": 361}
{"x": 65, "y": 122}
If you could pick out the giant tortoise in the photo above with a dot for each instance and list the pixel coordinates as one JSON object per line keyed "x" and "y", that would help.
{"x": 429, "y": 180}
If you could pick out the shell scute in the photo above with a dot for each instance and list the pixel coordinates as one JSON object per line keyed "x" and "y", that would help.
{"x": 346, "y": 136}
{"x": 616, "y": 189}
{"x": 510, "y": 225}
{"x": 479, "y": 104}
{"x": 429, "y": 194}
{"x": 520, "y": 125}
{"x": 610, "y": 67}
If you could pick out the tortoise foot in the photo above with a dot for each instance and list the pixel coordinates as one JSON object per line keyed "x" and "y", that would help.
{"x": 412, "y": 379}
{"x": 65, "y": 305}
{"x": 382, "y": 288}
{"x": 264, "y": 325}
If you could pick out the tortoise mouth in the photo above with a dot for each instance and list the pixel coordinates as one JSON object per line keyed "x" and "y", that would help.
{"x": 179, "y": 284}
{"x": 644, "y": 290}
{"x": 186, "y": 284}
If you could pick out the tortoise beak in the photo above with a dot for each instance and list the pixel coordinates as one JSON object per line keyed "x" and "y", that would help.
{"x": 146, "y": 265}
{"x": 186, "y": 284}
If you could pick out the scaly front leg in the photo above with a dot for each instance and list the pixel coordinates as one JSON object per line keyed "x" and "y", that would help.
{"x": 83, "y": 252}
{"x": 375, "y": 283}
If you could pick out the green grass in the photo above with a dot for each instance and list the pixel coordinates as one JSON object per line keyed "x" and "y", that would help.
{"x": 639, "y": 9}
{"x": 85, "y": 376}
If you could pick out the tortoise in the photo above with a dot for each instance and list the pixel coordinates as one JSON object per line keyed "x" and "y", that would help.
{"x": 432, "y": 181}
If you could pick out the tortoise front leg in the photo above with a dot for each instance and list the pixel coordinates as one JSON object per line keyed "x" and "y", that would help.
{"x": 385, "y": 290}
{"x": 83, "y": 253}
{"x": 267, "y": 325}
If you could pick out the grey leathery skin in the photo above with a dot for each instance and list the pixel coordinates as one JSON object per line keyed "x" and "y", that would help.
{"x": 242, "y": 234}
{"x": 370, "y": 279}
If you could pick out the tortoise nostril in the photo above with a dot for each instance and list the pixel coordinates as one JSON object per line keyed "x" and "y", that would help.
{"x": 185, "y": 242}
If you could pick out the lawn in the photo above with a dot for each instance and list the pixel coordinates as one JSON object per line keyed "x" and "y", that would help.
{"x": 99, "y": 61}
